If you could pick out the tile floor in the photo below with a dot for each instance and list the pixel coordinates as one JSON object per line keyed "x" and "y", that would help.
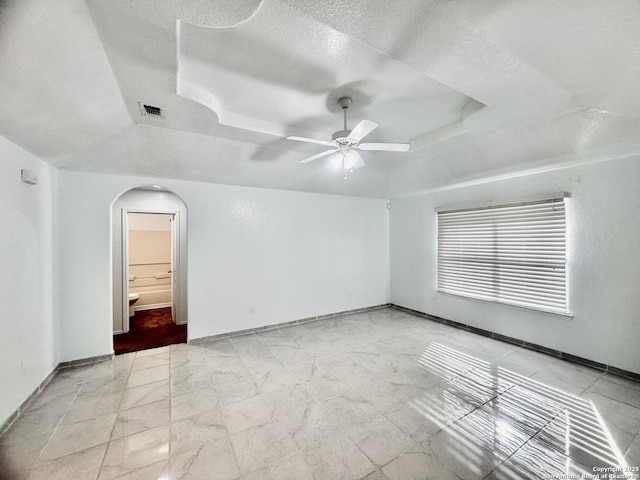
{"x": 382, "y": 395}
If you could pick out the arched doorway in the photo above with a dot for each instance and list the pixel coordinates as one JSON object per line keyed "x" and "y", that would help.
{"x": 149, "y": 269}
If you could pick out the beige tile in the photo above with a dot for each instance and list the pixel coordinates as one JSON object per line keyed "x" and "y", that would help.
{"x": 194, "y": 403}
{"x": 149, "y": 393}
{"x": 566, "y": 376}
{"x": 63, "y": 386}
{"x": 620, "y": 389}
{"x": 247, "y": 413}
{"x": 349, "y": 409}
{"x": 287, "y": 399}
{"x": 460, "y": 452}
{"x": 315, "y": 368}
{"x": 103, "y": 387}
{"x": 289, "y": 353}
{"x": 42, "y": 419}
{"x": 212, "y": 460}
{"x": 310, "y": 425}
{"x": 49, "y": 397}
{"x": 347, "y": 398}
{"x": 414, "y": 465}
{"x": 526, "y": 463}
{"x": 274, "y": 379}
{"x": 336, "y": 457}
{"x": 14, "y": 471}
{"x": 324, "y": 388}
{"x": 377, "y": 475}
{"x": 75, "y": 373}
{"x": 253, "y": 351}
{"x": 621, "y": 419}
{"x": 118, "y": 366}
{"x": 196, "y": 431}
{"x": 139, "y": 419}
{"x": 263, "y": 363}
{"x": 150, "y": 361}
{"x": 219, "y": 348}
{"x": 236, "y": 391}
{"x": 260, "y": 474}
{"x": 155, "y": 471}
{"x": 81, "y": 465}
{"x": 191, "y": 382}
{"x": 186, "y": 366}
{"x": 86, "y": 409}
{"x": 128, "y": 454}
{"x": 247, "y": 341}
{"x": 20, "y": 453}
{"x": 152, "y": 351}
{"x": 293, "y": 467}
{"x": 427, "y": 414}
{"x": 149, "y": 375}
{"x": 262, "y": 446}
{"x": 380, "y": 440}
{"x": 632, "y": 455}
{"x": 68, "y": 439}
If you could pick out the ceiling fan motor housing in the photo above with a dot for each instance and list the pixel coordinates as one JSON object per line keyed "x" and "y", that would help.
{"x": 341, "y": 137}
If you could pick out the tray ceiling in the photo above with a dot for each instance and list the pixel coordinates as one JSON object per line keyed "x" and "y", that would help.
{"x": 480, "y": 89}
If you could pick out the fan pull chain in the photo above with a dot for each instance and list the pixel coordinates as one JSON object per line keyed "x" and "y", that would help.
{"x": 344, "y": 165}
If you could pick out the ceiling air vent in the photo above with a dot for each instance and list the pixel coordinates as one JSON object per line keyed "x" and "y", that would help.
{"x": 151, "y": 111}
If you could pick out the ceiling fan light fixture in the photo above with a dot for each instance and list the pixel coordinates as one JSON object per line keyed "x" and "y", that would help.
{"x": 352, "y": 161}
{"x": 346, "y": 142}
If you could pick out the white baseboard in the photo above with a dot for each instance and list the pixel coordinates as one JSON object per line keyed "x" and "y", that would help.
{"x": 152, "y": 306}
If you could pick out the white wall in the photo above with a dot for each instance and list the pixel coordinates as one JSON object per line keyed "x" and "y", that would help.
{"x": 28, "y": 344}
{"x": 603, "y": 269}
{"x": 289, "y": 255}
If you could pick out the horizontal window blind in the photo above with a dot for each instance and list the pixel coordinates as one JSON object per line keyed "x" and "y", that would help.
{"x": 511, "y": 254}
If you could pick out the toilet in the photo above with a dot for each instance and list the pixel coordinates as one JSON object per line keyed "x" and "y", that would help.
{"x": 133, "y": 298}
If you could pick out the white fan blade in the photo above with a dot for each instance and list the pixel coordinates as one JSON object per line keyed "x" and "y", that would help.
{"x": 361, "y": 130}
{"x": 319, "y": 155}
{"x": 312, "y": 140}
{"x": 386, "y": 147}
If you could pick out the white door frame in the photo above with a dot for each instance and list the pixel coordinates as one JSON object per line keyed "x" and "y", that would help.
{"x": 175, "y": 268}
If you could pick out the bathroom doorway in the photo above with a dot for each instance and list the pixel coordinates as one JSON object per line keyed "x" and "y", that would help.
{"x": 149, "y": 262}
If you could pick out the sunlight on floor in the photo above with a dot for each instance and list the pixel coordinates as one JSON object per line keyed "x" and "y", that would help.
{"x": 536, "y": 428}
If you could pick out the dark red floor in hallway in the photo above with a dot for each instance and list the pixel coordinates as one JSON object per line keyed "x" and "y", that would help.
{"x": 150, "y": 329}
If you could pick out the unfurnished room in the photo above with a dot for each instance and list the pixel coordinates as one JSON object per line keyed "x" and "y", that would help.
{"x": 307, "y": 240}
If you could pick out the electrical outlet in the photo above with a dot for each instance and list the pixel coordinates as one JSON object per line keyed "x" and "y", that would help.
{"x": 252, "y": 311}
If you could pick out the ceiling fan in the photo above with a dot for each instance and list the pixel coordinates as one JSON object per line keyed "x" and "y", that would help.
{"x": 346, "y": 142}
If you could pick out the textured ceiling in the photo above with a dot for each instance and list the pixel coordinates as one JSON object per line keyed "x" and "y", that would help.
{"x": 479, "y": 89}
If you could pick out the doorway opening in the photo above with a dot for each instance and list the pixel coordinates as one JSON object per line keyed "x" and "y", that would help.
{"x": 149, "y": 265}
{"x": 149, "y": 262}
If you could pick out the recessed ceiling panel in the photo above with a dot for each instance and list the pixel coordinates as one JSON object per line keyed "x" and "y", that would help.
{"x": 282, "y": 68}
{"x": 234, "y": 77}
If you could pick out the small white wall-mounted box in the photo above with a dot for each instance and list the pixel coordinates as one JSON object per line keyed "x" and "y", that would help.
{"x": 28, "y": 176}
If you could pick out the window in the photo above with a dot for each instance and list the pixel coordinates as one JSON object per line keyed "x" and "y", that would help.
{"x": 512, "y": 254}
